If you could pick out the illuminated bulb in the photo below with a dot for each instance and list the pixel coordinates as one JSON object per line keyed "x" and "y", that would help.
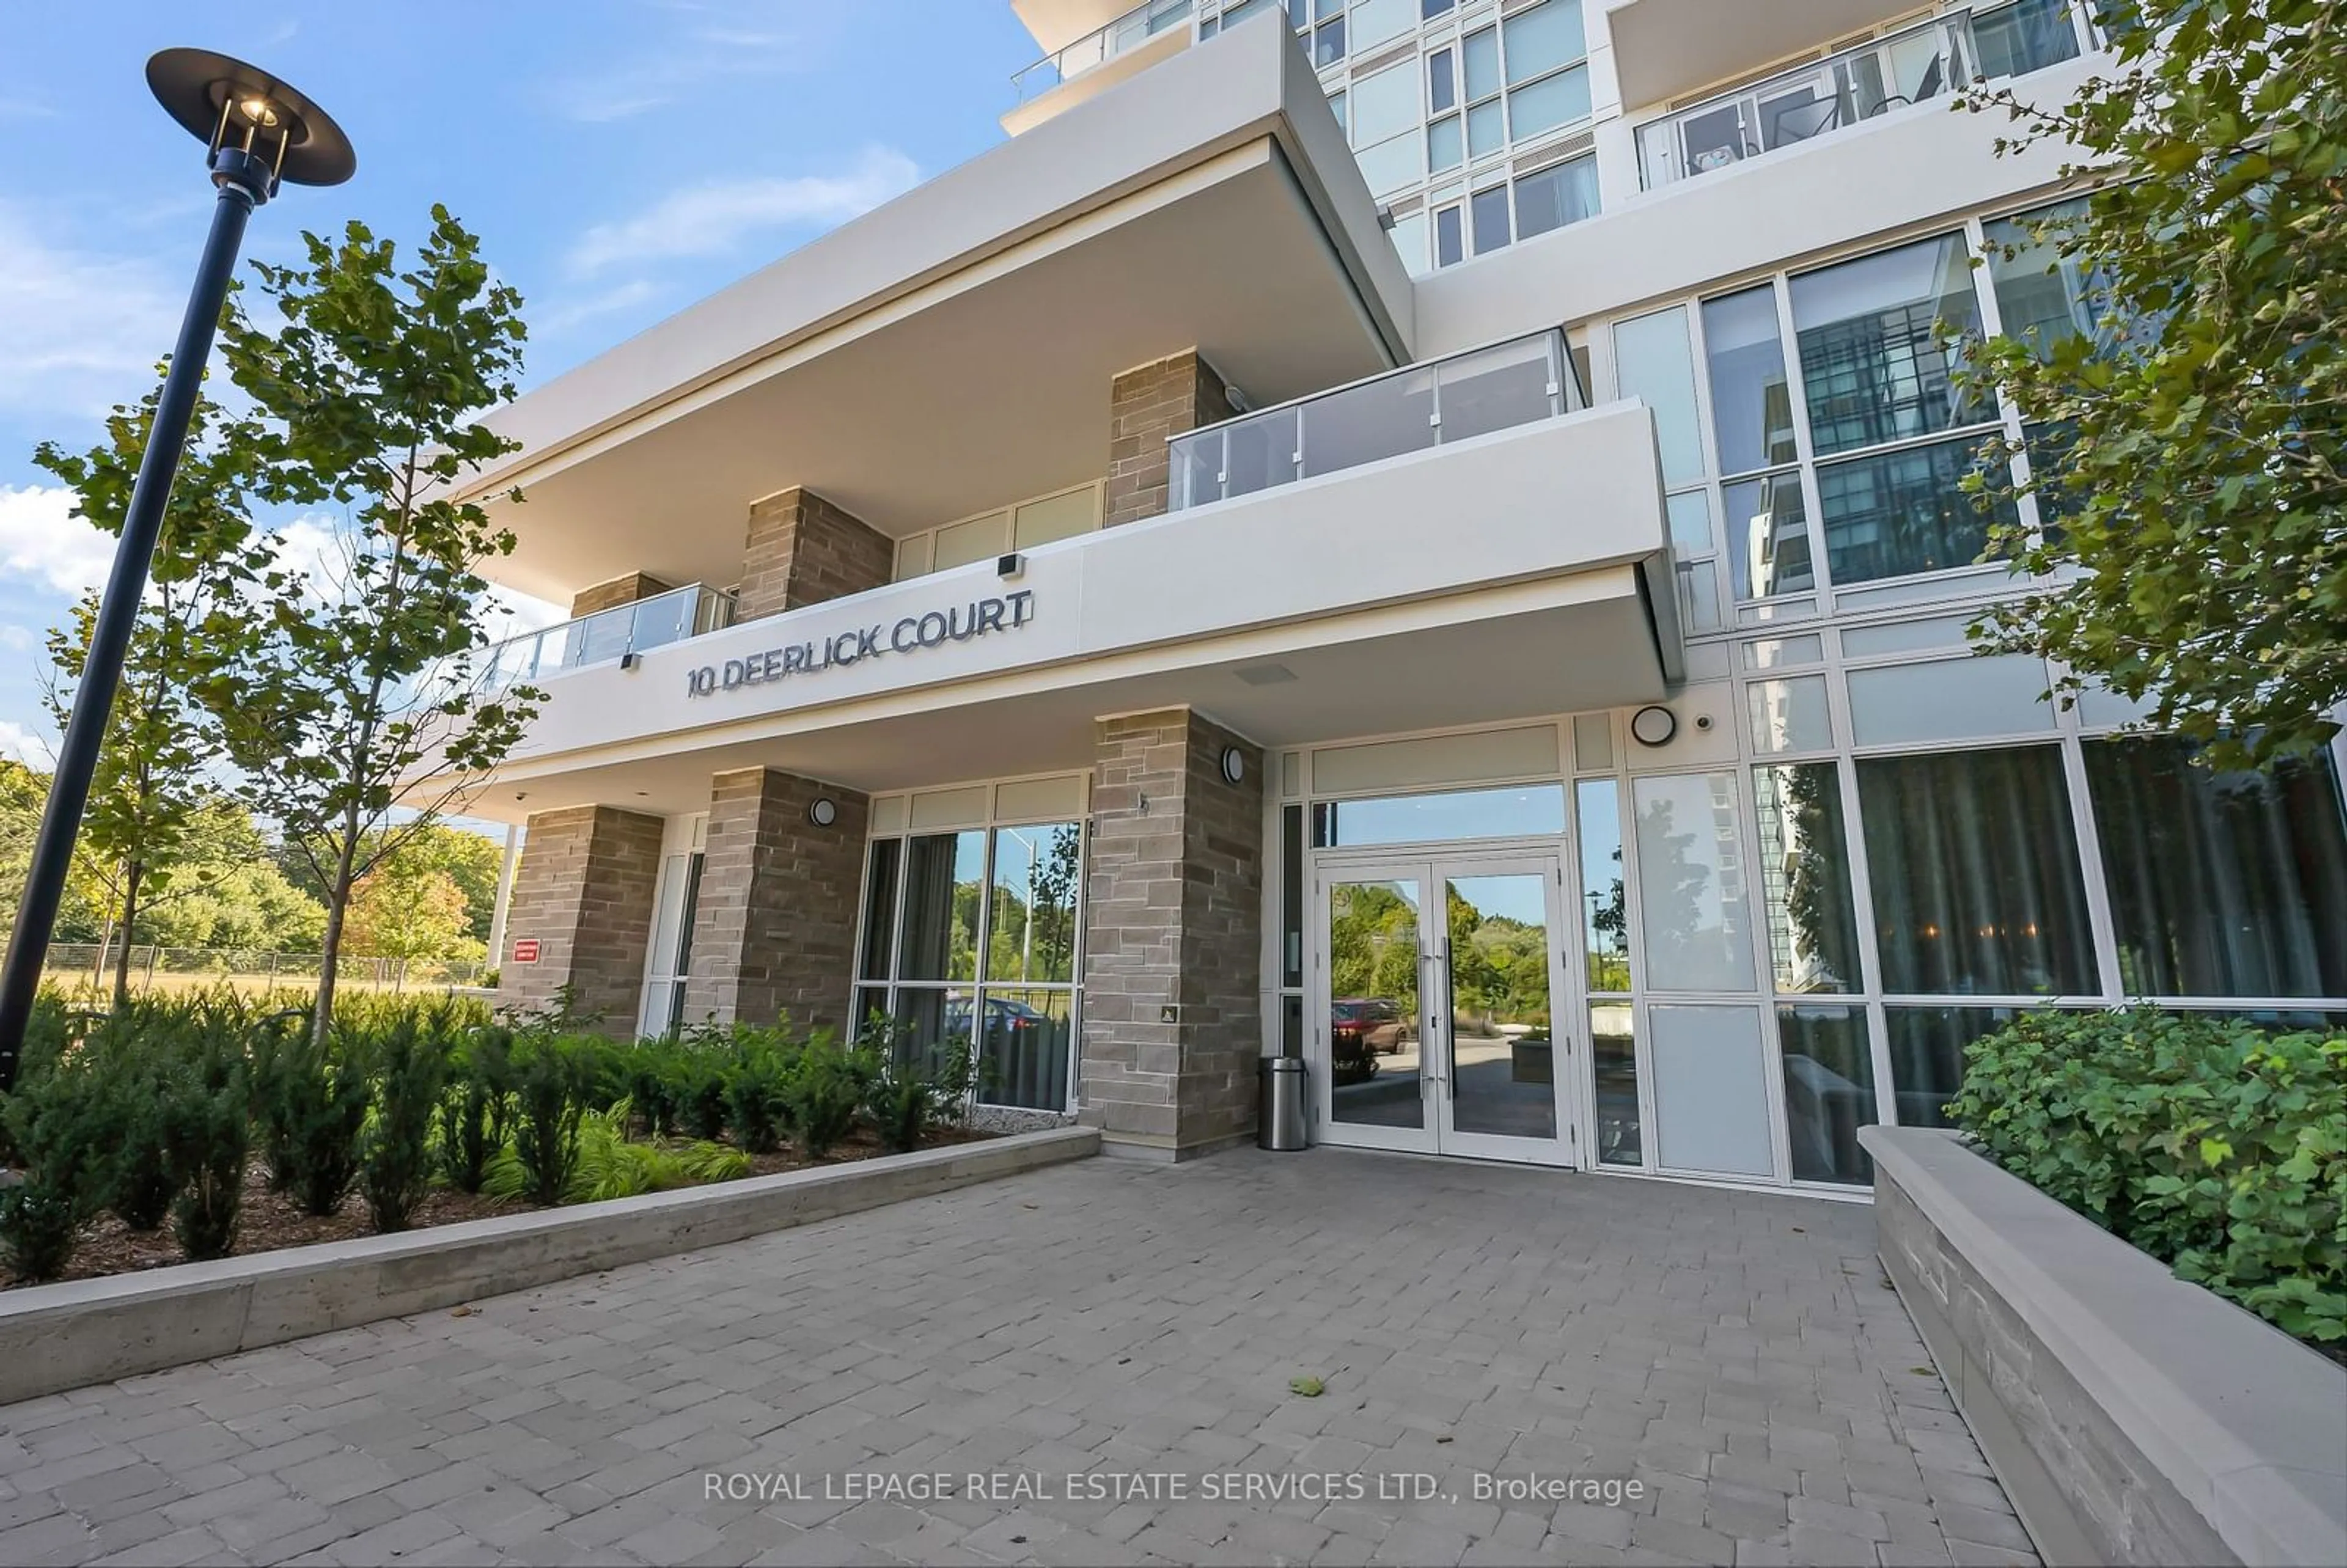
{"x": 259, "y": 111}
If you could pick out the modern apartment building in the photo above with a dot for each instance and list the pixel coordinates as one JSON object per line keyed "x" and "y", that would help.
{"x": 1424, "y": 535}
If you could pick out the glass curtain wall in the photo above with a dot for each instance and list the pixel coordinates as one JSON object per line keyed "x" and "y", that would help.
{"x": 968, "y": 943}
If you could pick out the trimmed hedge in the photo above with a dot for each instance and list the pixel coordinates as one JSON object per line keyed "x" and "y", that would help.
{"x": 2214, "y": 1144}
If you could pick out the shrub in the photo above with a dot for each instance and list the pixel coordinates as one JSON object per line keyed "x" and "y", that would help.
{"x": 610, "y": 1166}
{"x": 129, "y": 1055}
{"x": 207, "y": 1136}
{"x": 695, "y": 1087}
{"x": 314, "y": 1105}
{"x": 648, "y": 1075}
{"x": 2212, "y": 1144}
{"x": 757, "y": 1066}
{"x": 822, "y": 1092}
{"x": 554, "y": 1077}
{"x": 57, "y": 1125}
{"x": 911, "y": 1089}
{"x": 408, "y": 1068}
{"x": 476, "y": 1115}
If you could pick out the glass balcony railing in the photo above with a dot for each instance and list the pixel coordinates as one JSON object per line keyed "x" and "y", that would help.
{"x": 1135, "y": 27}
{"x": 1406, "y": 410}
{"x": 1927, "y": 61}
{"x": 606, "y": 635}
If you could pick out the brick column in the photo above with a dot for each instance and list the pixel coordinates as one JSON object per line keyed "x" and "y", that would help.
{"x": 801, "y": 550}
{"x": 619, "y": 591}
{"x": 584, "y": 892}
{"x": 1146, "y": 406}
{"x": 774, "y": 930}
{"x": 1173, "y": 937}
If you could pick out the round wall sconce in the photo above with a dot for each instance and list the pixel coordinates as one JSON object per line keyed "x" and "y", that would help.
{"x": 824, "y": 812}
{"x": 1233, "y": 764}
{"x": 1654, "y": 726}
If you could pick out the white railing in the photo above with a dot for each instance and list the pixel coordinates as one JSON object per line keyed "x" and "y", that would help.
{"x": 1405, "y": 410}
{"x": 1913, "y": 65}
{"x": 1136, "y": 26}
{"x": 606, "y": 635}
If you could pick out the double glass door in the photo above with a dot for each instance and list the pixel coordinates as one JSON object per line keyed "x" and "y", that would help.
{"x": 1439, "y": 988}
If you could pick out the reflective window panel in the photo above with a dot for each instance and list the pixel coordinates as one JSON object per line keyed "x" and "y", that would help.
{"x": 942, "y": 878}
{"x": 1502, "y": 1041}
{"x": 1025, "y": 1043}
{"x": 1875, "y": 363}
{"x": 1374, "y": 963}
{"x": 1829, "y": 1092}
{"x": 1613, "y": 1056}
{"x": 2223, "y": 884}
{"x": 1805, "y": 878}
{"x": 1751, "y": 401}
{"x": 1526, "y": 811}
{"x": 1032, "y": 933}
{"x": 1691, "y": 883}
{"x": 1974, "y": 871}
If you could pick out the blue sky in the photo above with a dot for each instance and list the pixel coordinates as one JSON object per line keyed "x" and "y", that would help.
{"x": 619, "y": 158}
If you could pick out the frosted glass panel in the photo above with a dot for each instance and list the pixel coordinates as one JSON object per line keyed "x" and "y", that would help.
{"x": 1543, "y": 38}
{"x": 1391, "y": 164}
{"x": 1948, "y": 700}
{"x": 1711, "y": 1095}
{"x": 1690, "y": 520}
{"x": 1654, "y": 363}
{"x": 1375, "y": 21}
{"x": 1789, "y": 715}
{"x": 1385, "y": 105}
{"x": 1901, "y": 636}
{"x": 980, "y": 539}
{"x": 1691, "y": 883}
{"x": 1061, "y": 517}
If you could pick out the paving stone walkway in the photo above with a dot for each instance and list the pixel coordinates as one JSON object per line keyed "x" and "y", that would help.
{"x": 1740, "y": 1358}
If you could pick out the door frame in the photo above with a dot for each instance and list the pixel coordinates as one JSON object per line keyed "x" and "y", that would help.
{"x": 1432, "y": 868}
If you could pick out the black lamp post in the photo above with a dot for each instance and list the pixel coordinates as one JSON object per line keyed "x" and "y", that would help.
{"x": 258, "y": 133}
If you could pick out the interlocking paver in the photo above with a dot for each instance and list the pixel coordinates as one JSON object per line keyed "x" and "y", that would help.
{"x": 1734, "y": 1354}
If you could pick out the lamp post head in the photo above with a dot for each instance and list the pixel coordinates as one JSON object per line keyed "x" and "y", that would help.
{"x": 259, "y": 132}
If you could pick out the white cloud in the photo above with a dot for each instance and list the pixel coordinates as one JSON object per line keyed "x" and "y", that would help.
{"x": 42, "y": 539}
{"x": 18, "y": 639}
{"x": 568, "y": 313}
{"x": 712, "y": 219}
{"x": 82, "y": 329}
{"x": 21, "y": 744}
{"x": 676, "y": 59}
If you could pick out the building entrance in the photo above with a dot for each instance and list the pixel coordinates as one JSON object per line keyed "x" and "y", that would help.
{"x": 1441, "y": 986}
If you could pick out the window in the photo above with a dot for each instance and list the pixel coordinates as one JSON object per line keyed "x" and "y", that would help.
{"x": 1751, "y": 400}
{"x": 1430, "y": 9}
{"x": 2042, "y": 295}
{"x": 1805, "y": 878}
{"x": 2223, "y": 884}
{"x": 1444, "y": 150}
{"x": 1556, "y": 197}
{"x": 1829, "y": 1092}
{"x": 1768, "y": 536}
{"x": 983, "y": 922}
{"x": 1789, "y": 714}
{"x": 1691, "y": 883}
{"x": 1385, "y": 118}
{"x": 1491, "y": 215}
{"x": 1606, "y": 940}
{"x": 1539, "y": 43}
{"x": 1927, "y": 1056}
{"x": 1441, "y": 81}
{"x": 1653, "y": 363}
{"x": 1871, "y": 335}
{"x": 2028, "y": 36}
{"x": 1535, "y": 811}
{"x": 1974, "y": 868}
{"x": 1449, "y": 246}
{"x": 1905, "y": 512}
{"x": 1375, "y": 21}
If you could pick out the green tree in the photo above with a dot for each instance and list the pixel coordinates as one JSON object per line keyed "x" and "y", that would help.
{"x": 361, "y": 694}
{"x": 400, "y": 911}
{"x": 155, "y": 767}
{"x": 2193, "y": 441}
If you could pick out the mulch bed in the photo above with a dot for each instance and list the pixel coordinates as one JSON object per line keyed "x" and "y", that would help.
{"x": 272, "y": 1220}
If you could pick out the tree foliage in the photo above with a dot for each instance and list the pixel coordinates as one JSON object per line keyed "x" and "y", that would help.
{"x": 156, "y": 769}
{"x": 361, "y": 689}
{"x": 2192, "y": 440}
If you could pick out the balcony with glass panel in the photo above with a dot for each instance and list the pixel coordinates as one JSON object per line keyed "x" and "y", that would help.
{"x": 1149, "y": 20}
{"x": 1408, "y": 410}
{"x": 1915, "y": 65}
{"x": 606, "y": 635}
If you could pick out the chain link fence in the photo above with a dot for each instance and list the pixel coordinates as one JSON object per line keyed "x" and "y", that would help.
{"x": 154, "y": 967}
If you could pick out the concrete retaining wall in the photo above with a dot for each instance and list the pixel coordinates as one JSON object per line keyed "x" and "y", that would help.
{"x": 2132, "y": 1417}
{"x": 59, "y": 1336}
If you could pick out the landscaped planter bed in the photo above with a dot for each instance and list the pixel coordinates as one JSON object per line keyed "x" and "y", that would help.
{"x": 2132, "y": 1417}
{"x": 69, "y": 1335}
{"x": 272, "y": 1221}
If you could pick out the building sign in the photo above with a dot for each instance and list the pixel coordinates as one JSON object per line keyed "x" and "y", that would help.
{"x": 525, "y": 951}
{"x": 913, "y": 634}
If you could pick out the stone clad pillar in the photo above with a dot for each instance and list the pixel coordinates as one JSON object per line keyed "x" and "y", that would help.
{"x": 801, "y": 550}
{"x": 584, "y": 894}
{"x": 619, "y": 591}
{"x": 774, "y": 932}
{"x": 1146, "y": 406}
{"x": 1172, "y": 1021}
